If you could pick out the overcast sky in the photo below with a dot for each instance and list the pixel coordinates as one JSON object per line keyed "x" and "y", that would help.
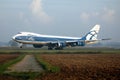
{"x": 59, "y": 17}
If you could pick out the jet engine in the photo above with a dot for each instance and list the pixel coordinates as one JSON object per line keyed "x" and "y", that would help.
{"x": 61, "y": 44}
{"x": 81, "y": 43}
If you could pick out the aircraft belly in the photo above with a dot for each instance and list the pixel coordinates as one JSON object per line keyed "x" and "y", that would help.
{"x": 32, "y": 42}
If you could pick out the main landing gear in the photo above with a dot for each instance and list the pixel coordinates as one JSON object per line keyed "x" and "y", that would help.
{"x": 56, "y": 48}
{"x": 50, "y": 48}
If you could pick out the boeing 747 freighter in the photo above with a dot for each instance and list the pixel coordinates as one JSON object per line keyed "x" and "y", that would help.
{"x": 56, "y": 42}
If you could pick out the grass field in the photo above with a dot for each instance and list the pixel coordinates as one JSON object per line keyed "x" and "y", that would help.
{"x": 83, "y": 66}
{"x": 7, "y": 57}
{"x": 66, "y": 50}
{"x": 68, "y": 64}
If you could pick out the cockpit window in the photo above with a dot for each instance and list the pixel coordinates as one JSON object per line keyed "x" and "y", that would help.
{"x": 18, "y": 38}
{"x": 21, "y": 38}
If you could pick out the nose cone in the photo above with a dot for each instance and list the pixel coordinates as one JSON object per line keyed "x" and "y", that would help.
{"x": 13, "y": 38}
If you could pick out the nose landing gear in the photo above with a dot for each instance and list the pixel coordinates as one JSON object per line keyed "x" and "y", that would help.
{"x": 20, "y": 45}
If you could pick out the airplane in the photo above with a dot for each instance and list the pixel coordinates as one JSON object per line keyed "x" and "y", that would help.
{"x": 56, "y": 42}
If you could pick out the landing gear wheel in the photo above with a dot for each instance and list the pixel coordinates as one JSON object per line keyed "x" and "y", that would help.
{"x": 49, "y": 48}
{"x": 59, "y": 48}
{"x": 20, "y": 46}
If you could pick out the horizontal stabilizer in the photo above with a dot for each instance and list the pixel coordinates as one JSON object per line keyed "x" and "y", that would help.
{"x": 106, "y": 39}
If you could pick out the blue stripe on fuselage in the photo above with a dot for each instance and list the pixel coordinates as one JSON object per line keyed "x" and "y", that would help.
{"x": 50, "y": 39}
{"x": 34, "y": 38}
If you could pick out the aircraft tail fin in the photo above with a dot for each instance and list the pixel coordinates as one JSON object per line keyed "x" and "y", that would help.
{"x": 92, "y": 34}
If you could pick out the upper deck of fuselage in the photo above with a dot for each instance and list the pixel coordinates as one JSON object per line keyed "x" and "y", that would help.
{"x": 42, "y": 35}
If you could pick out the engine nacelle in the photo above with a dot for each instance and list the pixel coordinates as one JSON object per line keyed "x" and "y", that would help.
{"x": 81, "y": 43}
{"x": 61, "y": 44}
{"x": 37, "y": 45}
{"x": 74, "y": 44}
